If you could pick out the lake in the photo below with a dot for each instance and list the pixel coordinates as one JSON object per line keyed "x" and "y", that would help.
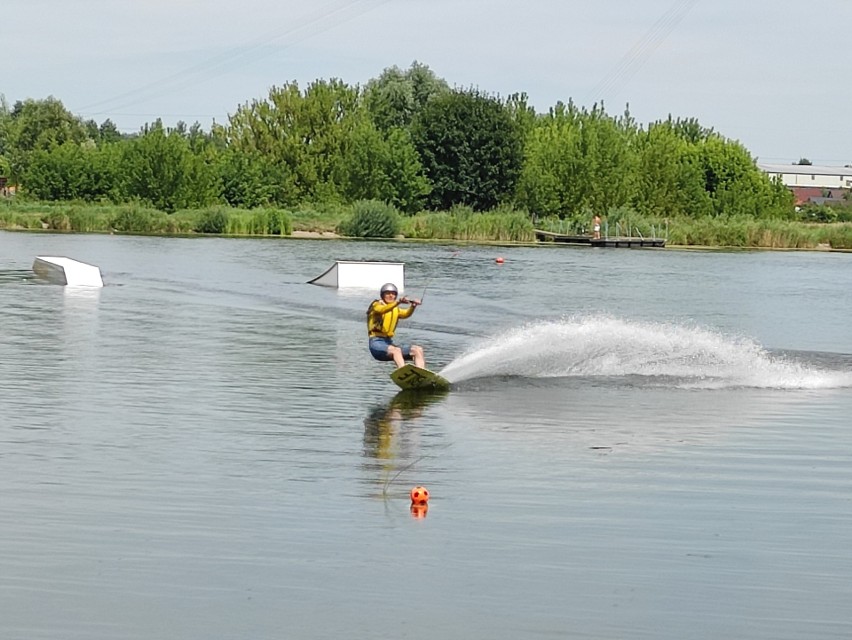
{"x": 638, "y": 444}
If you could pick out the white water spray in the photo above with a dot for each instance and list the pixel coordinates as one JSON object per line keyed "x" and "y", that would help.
{"x": 683, "y": 356}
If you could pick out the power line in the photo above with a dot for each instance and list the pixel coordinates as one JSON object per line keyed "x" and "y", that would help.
{"x": 641, "y": 51}
{"x": 325, "y": 18}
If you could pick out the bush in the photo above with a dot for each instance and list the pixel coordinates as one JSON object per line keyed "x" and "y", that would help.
{"x": 135, "y": 218}
{"x": 818, "y": 213}
{"x": 371, "y": 219}
{"x": 212, "y": 221}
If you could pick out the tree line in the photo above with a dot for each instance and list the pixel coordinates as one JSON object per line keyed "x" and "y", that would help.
{"x": 405, "y": 138}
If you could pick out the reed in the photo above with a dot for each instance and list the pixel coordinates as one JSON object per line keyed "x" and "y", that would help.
{"x": 743, "y": 232}
{"x": 138, "y": 218}
{"x": 319, "y": 217}
{"x": 503, "y": 224}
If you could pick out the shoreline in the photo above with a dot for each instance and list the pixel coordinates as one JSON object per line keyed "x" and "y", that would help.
{"x": 331, "y": 235}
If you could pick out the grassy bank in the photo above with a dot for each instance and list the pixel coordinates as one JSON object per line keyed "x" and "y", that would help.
{"x": 136, "y": 218}
{"x": 723, "y": 231}
{"x": 461, "y": 223}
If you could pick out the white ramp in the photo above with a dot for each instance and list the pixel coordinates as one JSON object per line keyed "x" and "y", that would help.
{"x": 66, "y": 271}
{"x": 345, "y": 274}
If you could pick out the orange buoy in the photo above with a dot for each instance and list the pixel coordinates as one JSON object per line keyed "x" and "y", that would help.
{"x": 419, "y": 495}
{"x": 499, "y": 260}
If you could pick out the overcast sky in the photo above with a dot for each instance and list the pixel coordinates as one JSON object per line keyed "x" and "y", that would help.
{"x": 773, "y": 75}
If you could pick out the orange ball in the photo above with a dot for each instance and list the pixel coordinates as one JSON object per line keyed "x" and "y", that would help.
{"x": 419, "y": 495}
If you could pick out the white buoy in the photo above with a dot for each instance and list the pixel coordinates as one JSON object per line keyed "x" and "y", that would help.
{"x": 65, "y": 271}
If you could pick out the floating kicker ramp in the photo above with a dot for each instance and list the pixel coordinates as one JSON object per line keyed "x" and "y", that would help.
{"x": 65, "y": 271}
{"x": 346, "y": 274}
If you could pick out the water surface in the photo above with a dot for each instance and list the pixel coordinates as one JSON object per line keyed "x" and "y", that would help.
{"x": 643, "y": 444}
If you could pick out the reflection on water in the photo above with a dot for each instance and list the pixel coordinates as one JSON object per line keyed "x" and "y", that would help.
{"x": 391, "y": 435}
{"x": 616, "y": 413}
{"x": 16, "y": 276}
{"x": 81, "y": 297}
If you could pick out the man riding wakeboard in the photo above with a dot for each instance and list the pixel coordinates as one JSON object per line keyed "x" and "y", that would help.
{"x": 382, "y": 318}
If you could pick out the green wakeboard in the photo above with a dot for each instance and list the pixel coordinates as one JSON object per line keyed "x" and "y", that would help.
{"x": 411, "y": 377}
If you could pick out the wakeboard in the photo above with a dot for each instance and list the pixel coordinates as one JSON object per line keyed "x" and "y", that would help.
{"x": 411, "y": 377}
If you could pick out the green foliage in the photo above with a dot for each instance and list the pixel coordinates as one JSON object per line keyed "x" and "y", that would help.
{"x": 471, "y": 150}
{"x": 371, "y": 219}
{"x": 108, "y": 132}
{"x": 689, "y": 130}
{"x": 522, "y": 114}
{"x": 303, "y": 135}
{"x": 396, "y": 97}
{"x": 240, "y": 222}
{"x": 247, "y": 181}
{"x": 297, "y": 158}
{"x": 274, "y": 222}
{"x": 137, "y": 218}
{"x": 323, "y": 217}
{"x": 670, "y": 181}
{"x": 383, "y": 166}
{"x": 161, "y": 169}
{"x": 409, "y": 185}
{"x": 824, "y": 213}
{"x": 212, "y": 221}
{"x": 837, "y": 236}
{"x": 34, "y": 125}
{"x": 72, "y": 171}
{"x": 577, "y": 159}
{"x": 743, "y": 231}
{"x": 463, "y": 223}
{"x": 736, "y": 186}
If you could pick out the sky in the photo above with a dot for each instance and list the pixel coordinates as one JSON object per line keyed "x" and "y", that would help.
{"x": 772, "y": 75}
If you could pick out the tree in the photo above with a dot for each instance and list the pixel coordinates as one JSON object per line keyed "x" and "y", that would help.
{"x": 303, "y": 135}
{"x": 248, "y": 181}
{"x": 670, "y": 180}
{"x": 384, "y": 166}
{"x": 689, "y": 129}
{"x": 522, "y": 113}
{"x": 471, "y": 149}
{"x": 578, "y": 161}
{"x": 396, "y": 96}
{"x": 5, "y": 119}
{"x": 161, "y": 169}
{"x": 735, "y": 184}
{"x": 108, "y": 132}
{"x": 34, "y": 125}
{"x": 73, "y": 171}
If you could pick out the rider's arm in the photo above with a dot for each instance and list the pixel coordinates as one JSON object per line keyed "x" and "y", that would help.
{"x": 404, "y": 312}
{"x": 382, "y": 307}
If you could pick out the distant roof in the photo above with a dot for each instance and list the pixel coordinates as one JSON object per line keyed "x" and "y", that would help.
{"x": 806, "y": 169}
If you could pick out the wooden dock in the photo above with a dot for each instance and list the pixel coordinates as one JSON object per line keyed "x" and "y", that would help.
{"x": 610, "y": 241}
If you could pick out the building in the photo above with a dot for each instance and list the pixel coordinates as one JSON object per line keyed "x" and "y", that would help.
{"x": 810, "y": 175}
{"x": 811, "y": 181}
